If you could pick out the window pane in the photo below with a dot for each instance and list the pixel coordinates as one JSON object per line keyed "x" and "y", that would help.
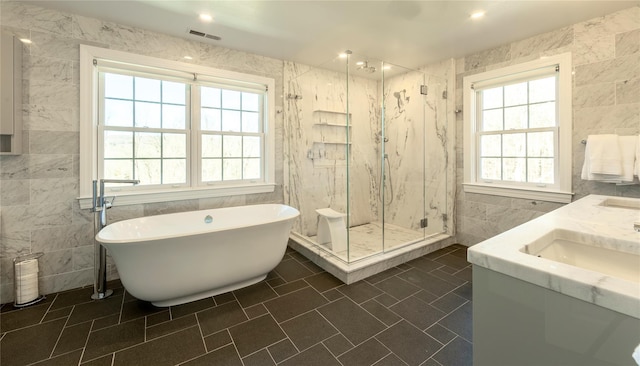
{"x": 251, "y": 168}
{"x": 541, "y": 170}
{"x": 118, "y": 169}
{"x": 147, "y": 115}
{"x": 173, "y": 116}
{"x": 490, "y": 169}
{"x": 118, "y": 144}
{"x": 514, "y": 169}
{"x": 250, "y": 102}
{"x": 515, "y": 118}
{"x": 210, "y": 97}
{"x": 211, "y": 120}
{"x": 230, "y": 99}
{"x": 211, "y": 146}
{"x": 147, "y": 145}
{"x": 515, "y": 94}
{"x": 540, "y": 144}
{"x": 492, "y": 120}
{"x": 174, "y": 145}
{"x": 173, "y": 92}
{"x": 148, "y": 89}
{"x": 232, "y": 146}
{"x": 231, "y": 169}
{"x": 251, "y": 147}
{"x": 230, "y": 121}
{"x": 211, "y": 170}
{"x": 492, "y": 98}
{"x": 118, "y": 86}
{"x": 542, "y": 115}
{"x": 118, "y": 113}
{"x": 174, "y": 171}
{"x": 148, "y": 171}
{"x": 490, "y": 145}
{"x": 542, "y": 90}
{"x": 513, "y": 145}
{"x": 250, "y": 122}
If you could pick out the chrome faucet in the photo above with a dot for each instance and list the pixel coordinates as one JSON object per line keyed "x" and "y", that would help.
{"x": 636, "y": 226}
{"x": 100, "y": 206}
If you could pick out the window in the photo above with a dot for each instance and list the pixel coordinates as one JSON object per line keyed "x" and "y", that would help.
{"x": 184, "y": 131}
{"x": 518, "y": 130}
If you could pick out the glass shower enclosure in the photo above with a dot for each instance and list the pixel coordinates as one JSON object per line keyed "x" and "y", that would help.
{"x": 365, "y": 155}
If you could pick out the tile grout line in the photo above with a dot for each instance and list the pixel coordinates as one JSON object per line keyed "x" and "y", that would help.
{"x": 48, "y": 309}
{"x": 206, "y": 350}
{"x": 62, "y": 330}
{"x": 84, "y": 348}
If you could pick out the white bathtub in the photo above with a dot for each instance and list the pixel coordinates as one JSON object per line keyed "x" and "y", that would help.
{"x": 177, "y": 258}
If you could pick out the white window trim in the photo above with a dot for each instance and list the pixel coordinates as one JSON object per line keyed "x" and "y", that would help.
{"x": 89, "y": 132}
{"x": 562, "y": 194}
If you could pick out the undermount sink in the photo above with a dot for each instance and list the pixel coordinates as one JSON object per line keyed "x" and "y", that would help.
{"x": 618, "y": 259}
{"x": 621, "y": 203}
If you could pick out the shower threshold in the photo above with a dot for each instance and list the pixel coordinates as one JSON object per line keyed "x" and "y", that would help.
{"x": 369, "y": 265}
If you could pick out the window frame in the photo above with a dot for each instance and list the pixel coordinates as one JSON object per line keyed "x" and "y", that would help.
{"x": 561, "y": 190}
{"x": 89, "y": 129}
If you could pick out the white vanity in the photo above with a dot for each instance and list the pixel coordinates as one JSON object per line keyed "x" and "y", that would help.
{"x": 563, "y": 289}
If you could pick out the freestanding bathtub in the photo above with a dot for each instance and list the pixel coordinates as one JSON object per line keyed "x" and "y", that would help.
{"x": 177, "y": 258}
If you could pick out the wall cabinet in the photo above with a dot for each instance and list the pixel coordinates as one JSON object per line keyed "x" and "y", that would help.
{"x": 10, "y": 94}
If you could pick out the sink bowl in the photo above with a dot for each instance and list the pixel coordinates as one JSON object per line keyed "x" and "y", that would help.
{"x": 615, "y": 258}
{"x": 621, "y": 203}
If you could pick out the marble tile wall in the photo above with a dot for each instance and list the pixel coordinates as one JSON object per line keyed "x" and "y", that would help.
{"x": 606, "y": 97}
{"x": 38, "y": 189}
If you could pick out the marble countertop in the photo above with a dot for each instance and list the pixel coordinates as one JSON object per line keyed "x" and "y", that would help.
{"x": 587, "y": 216}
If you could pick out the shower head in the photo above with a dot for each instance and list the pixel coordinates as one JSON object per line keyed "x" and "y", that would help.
{"x": 364, "y": 66}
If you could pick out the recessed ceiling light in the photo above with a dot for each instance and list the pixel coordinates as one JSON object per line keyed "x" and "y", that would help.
{"x": 188, "y": 58}
{"x": 359, "y": 63}
{"x": 25, "y": 40}
{"x": 205, "y": 17}
{"x": 386, "y": 67}
{"x": 342, "y": 55}
{"x": 478, "y": 14}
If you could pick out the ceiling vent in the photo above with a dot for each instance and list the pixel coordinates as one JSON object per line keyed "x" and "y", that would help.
{"x": 205, "y": 35}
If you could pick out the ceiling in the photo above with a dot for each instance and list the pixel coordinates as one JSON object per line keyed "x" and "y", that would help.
{"x": 406, "y": 33}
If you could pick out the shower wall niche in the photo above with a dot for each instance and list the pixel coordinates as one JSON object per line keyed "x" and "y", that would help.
{"x": 366, "y": 143}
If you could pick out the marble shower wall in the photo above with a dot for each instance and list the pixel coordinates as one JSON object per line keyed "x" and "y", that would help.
{"x": 606, "y": 98}
{"x": 38, "y": 189}
{"x": 316, "y": 149}
{"x": 419, "y": 145}
{"x": 416, "y": 126}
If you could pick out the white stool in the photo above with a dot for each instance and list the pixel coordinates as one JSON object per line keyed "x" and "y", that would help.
{"x": 332, "y": 229}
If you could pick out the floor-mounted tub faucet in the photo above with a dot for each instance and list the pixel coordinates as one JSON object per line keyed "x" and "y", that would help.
{"x": 100, "y": 206}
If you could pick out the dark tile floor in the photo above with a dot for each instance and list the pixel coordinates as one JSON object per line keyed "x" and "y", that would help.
{"x": 418, "y": 313}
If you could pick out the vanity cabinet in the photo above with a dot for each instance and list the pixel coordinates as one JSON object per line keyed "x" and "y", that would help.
{"x": 10, "y": 95}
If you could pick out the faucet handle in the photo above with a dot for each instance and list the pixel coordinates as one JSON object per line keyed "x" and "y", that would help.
{"x": 107, "y": 203}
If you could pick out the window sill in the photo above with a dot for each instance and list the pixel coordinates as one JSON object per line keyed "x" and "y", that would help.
{"x": 525, "y": 193}
{"x": 140, "y": 197}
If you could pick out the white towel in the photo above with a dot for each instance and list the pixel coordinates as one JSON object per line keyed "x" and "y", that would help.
{"x": 628, "y": 146}
{"x": 602, "y": 159}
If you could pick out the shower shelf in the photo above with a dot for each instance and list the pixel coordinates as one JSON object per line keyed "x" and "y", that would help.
{"x": 330, "y": 124}
{"x": 330, "y": 118}
{"x": 328, "y": 111}
{"x": 333, "y": 142}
